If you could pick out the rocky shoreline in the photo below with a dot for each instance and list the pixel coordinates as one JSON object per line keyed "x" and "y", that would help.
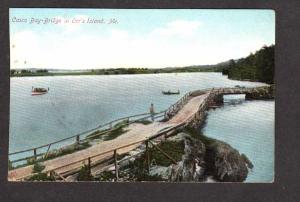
{"x": 203, "y": 159}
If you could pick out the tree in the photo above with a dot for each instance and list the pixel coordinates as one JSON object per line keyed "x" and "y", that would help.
{"x": 258, "y": 66}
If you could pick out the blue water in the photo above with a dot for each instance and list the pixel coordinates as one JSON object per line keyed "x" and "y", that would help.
{"x": 78, "y": 103}
{"x": 249, "y": 127}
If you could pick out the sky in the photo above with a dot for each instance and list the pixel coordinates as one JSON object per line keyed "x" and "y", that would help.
{"x": 149, "y": 38}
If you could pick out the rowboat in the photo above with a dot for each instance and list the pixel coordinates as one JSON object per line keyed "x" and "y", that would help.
{"x": 39, "y": 91}
{"x": 170, "y": 92}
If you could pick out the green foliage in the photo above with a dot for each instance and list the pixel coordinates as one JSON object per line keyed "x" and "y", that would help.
{"x": 137, "y": 170}
{"x": 255, "y": 67}
{"x": 10, "y": 165}
{"x": 31, "y": 160}
{"x": 139, "y": 166}
{"x": 145, "y": 122}
{"x": 94, "y": 135}
{"x": 67, "y": 150}
{"x": 106, "y": 176}
{"x": 197, "y": 134}
{"x": 85, "y": 174}
{"x": 172, "y": 148}
{"x": 117, "y": 130}
{"x": 41, "y": 177}
{"x": 12, "y": 72}
{"x": 42, "y": 71}
{"x": 114, "y": 133}
{"x": 37, "y": 168}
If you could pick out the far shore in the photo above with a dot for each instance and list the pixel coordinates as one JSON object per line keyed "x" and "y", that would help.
{"x": 107, "y": 72}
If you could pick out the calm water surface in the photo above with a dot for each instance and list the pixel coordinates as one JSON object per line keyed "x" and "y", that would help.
{"x": 248, "y": 127}
{"x": 78, "y": 103}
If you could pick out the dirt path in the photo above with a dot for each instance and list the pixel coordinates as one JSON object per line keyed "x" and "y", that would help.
{"x": 136, "y": 132}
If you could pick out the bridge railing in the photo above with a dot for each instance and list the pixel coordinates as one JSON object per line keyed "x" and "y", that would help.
{"x": 174, "y": 107}
{"x": 93, "y": 161}
{"x": 40, "y": 153}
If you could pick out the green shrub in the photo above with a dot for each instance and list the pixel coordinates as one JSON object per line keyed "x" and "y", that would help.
{"x": 85, "y": 174}
{"x": 10, "y": 165}
{"x": 106, "y": 176}
{"x": 38, "y": 167}
{"x": 145, "y": 121}
{"x": 41, "y": 177}
{"x": 31, "y": 161}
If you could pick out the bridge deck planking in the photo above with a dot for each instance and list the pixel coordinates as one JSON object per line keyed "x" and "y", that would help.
{"x": 136, "y": 132}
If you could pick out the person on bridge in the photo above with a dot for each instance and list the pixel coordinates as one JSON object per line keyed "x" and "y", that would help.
{"x": 152, "y": 113}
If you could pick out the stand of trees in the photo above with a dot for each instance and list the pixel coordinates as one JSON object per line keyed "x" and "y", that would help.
{"x": 256, "y": 67}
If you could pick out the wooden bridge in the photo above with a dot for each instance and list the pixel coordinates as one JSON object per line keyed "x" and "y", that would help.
{"x": 188, "y": 111}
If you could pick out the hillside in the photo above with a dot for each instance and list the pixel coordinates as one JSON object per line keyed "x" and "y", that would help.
{"x": 255, "y": 67}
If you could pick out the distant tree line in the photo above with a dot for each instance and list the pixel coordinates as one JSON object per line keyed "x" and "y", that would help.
{"x": 28, "y": 72}
{"x": 256, "y": 67}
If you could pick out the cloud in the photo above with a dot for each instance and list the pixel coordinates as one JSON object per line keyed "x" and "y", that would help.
{"x": 23, "y": 48}
{"x": 179, "y": 27}
{"x": 178, "y": 43}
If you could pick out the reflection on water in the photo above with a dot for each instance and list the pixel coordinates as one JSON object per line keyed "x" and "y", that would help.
{"x": 234, "y": 99}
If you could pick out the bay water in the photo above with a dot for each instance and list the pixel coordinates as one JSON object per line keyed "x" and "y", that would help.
{"x": 78, "y": 103}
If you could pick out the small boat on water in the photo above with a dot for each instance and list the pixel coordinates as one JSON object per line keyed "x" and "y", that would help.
{"x": 170, "y": 92}
{"x": 39, "y": 91}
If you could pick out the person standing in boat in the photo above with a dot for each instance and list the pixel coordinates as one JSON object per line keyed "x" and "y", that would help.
{"x": 152, "y": 111}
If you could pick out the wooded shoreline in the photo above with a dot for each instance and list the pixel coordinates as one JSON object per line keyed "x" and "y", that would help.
{"x": 255, "y": 67}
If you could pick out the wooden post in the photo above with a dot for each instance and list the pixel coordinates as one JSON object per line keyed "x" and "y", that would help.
{"x": 147, "y": 156}
{"x": 34, "y": 153}
{"x": 89, "y": 165}
{"x": 77, "y": 139}
{"x": 116, "y": 165}
{"x": 51, "y": 174}
{"x": 47, "y": 151}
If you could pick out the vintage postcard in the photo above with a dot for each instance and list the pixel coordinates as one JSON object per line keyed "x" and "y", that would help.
{"x": 138, "y": 95}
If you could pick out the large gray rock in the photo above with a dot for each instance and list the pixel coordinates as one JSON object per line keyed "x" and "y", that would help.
{"x": 226, "y": 163}
{"x": 190, "y": 168}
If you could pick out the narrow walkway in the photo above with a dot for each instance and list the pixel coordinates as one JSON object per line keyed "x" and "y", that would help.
{"x": 136, "y": 132}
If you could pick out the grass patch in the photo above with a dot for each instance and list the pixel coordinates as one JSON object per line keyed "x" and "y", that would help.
{"x": 117, "y": 130}
{"x": 66, "y": 150}
{"x": 96, "y": 135}
{"x": 114, "y": 133}
{"x": 144, "y": 121}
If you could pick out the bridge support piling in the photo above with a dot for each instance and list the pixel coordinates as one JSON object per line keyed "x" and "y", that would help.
{"x": 116, "y": 165}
